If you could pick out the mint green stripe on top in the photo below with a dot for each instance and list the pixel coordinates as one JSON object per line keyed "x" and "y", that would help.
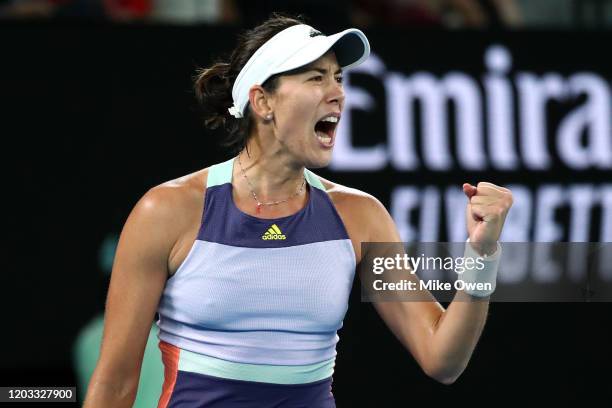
{"x": 220, "y": 173}
{"x": 313, "y": 180}
{"x": 277, "y": 374}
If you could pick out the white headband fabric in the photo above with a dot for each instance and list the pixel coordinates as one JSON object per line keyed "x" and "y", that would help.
{"x": 292, "y": 48}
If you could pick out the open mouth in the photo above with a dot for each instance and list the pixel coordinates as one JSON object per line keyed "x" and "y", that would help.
{"x": 325, "y": 129}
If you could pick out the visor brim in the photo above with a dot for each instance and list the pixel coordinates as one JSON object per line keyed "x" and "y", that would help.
{"x": 350, "y": 46}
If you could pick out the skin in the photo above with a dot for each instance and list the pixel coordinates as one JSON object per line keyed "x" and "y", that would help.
{"x": 163, "y": 225}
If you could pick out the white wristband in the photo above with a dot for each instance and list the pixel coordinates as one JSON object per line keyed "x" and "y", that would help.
{"x": 480, "y": 280}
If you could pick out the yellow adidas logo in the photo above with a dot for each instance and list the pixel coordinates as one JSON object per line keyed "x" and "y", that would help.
{"x": 273, "y": 233}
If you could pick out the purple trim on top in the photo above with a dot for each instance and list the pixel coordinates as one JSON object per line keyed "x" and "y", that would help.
{"x": 224, "y": 223}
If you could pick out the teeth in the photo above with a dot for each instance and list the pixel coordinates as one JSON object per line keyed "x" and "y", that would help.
{"x": 324, "y": 137}
{"x": 331, "y": 119}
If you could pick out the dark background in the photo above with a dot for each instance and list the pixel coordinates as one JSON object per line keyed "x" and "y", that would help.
{"x": 96, "y": 114}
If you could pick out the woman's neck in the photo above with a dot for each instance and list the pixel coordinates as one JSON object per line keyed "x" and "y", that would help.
{"x": 271, "y": 175}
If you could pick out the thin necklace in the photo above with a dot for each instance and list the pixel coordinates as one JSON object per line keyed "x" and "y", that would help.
{"x": 259, "y": 203}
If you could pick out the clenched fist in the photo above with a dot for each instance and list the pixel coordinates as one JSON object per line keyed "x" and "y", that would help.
{"x": 486, "y": 212}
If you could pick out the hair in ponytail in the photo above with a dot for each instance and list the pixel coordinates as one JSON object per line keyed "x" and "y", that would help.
{"x": 213, "y": 85}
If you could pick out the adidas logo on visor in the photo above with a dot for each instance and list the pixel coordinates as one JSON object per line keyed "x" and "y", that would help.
{"x": 273, "y": 233}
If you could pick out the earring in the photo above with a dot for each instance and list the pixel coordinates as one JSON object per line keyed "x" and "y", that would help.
{"x": 269, "y": 116}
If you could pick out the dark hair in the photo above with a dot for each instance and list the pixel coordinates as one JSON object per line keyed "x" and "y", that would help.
{"x": 213, "y": 85}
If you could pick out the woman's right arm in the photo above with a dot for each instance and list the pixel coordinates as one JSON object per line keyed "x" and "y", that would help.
{"x": 138, "y": 278}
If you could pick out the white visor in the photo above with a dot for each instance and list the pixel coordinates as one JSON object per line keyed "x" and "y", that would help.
{"x": 292, "y": 48}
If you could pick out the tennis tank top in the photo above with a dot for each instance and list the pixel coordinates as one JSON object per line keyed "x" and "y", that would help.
{"x": 257, "y": 300}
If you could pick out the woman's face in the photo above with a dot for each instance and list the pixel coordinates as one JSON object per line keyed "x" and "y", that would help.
{"x": 307, "y": 108}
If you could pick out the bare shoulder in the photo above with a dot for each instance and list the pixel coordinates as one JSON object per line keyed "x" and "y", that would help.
{"x": 184, "y": 189}
{"x": 172, "y": 207}
{"x": 352, "y": 199}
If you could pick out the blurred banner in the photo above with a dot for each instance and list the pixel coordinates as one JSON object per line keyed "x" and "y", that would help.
{"x": 530, "y": 111}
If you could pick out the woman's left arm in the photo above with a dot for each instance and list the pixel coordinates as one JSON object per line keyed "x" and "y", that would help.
{"x": 443, "y": 340}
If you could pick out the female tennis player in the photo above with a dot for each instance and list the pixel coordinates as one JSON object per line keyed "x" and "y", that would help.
{"x": 249, "y": 263}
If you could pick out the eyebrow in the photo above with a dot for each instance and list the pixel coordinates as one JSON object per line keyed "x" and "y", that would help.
{"x": 305, "y": 69}
{"x": 323, "y": 71}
